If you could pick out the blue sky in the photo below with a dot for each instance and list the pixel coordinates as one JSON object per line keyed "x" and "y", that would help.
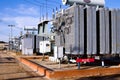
{"x": 27, "y": 13}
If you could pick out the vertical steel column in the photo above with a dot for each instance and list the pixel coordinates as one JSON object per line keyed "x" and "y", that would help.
{"x": 113, "y": 27}
{"x": 81, "y": 27}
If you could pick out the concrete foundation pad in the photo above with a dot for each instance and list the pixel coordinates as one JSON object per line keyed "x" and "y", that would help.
{"x": 59, "y": 74}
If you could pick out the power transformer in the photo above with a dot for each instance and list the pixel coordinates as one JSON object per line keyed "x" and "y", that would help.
{"x": 88, "y": 30}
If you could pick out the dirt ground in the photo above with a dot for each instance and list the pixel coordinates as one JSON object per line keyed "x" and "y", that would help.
{"x": 113, "y": 77}
{"x": 55, "y": 66}
{"x": 11, "y": 69}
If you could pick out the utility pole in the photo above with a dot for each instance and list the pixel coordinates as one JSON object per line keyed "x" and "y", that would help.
{"x": 11, "y": 36}
{"x": 11, "y": 26}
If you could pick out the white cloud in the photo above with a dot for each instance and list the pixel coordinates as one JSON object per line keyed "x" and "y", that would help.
{"x": 21, "y": 21}
{"x": 24, "y": 10}
{"x": 21, "y": 16}
{"x": 26, "y": 21}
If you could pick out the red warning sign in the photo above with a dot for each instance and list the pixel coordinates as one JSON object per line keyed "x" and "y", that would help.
{"x": 85, "y": 60}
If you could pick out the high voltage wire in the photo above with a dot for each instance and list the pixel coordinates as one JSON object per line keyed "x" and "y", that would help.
{"x": 18, "y": 28}
{"x": 44, "y": 3}
{"x": 31, "y": 3}
{"x": 48, "y": 4}
{"x": 38, "y": 4}
{"x": 42, "y": 6}
{"x": 51, "y": 1}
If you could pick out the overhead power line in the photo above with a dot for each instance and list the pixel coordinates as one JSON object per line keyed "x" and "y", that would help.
{"x": 37, "y": 4}
{"x": 55, "y": 2}
{"x": 44, "y": 3}
{"x": 18, "y": 27}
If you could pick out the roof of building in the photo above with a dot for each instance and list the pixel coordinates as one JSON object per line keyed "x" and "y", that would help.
{"x": 43, "y": 22}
